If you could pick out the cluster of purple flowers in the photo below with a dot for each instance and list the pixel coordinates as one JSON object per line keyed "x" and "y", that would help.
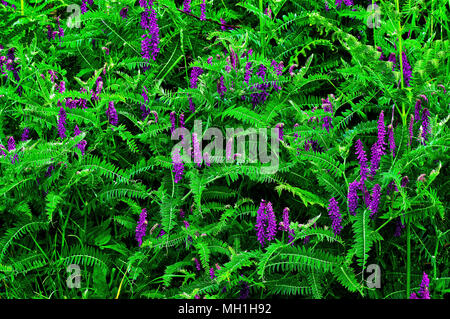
{"x": 391, "y": 139}
{"x": 178, "y": 166}
{"x": 141, "y": 226}
{"x": 149, "y": 22}
{"x": 362, "y": 160}
{"x": 195, "y": 73}
{"x": 423, "y": 292}
{"x": 285, "y": 225}
{"x": 327, "y": 107}
{"x": 335, "y": 215}
{"x": 111, "y": 113}
{"x": 61, "y": 122}
{"x": 98, "y": 89}
{"x": 197, "y": 264}
{"x": 407, "y": 72}
{"x": 187, "y": 6}
{"x": 197, "y": 151}
{"x": 82, "y": 144}
{"x": 378, "y": 147}
{"x": 124, "y": 13}
{"x": 425, "y": 125}
{"x": 145, "y": 111}
{"x": 374, "y": 200}
{"x": 221, "y": 88}
{"x": 25, "y": 134}
{"x": 266, "y": 225}
{"x": 352, "y": 197}
{"x": 398, "y": 228}
{"x": 73, "y": 103}
{"x": 203, "y": 10}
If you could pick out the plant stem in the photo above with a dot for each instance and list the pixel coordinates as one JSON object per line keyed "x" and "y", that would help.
{"x": 261, "y": 27}
{"x": 399, "y": 34}
{"x": 408, "y": 258}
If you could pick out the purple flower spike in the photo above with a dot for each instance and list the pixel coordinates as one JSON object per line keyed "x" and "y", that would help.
{"x": 391, "y": 139}
{"x": 425, "y": 125}
{"x": 373, "y": 207}
{"x": 280, "y": 131}
{"x": 335, "y": 215}
{"x": 11, "y": 144}
{"x": 221, "y": 88}
{"x": 141, "y": 226}
{"x": 191, "y": 104}
{"x": 398, "y": 228}
{"x": 203, "y": 10}
{"x": 25, "y": 134}
{"x": 197, "y": 150}
{"x": 423, "y": 291}
{"x": 407, "y": 72}
{"x": 195, "y": 73}
{"x": 187, "y": 6}
{"x": 353, "y": 197}
{"x": 111, "y": 113}
{"x": 417, "y": 109}
{"x": 362, "y": 160}
{"x": 272, "y": 223}
{"x": 211, "y": 273}
{"x": 197, "y": 264}
{"x": 61, "y": 122}
{"x": 178, "y": 167}
{"x": 124, "y": 12}
{"x": 411, "y": 127}
{"x": 261, "y": 219}
{"x": 172, "y": 121}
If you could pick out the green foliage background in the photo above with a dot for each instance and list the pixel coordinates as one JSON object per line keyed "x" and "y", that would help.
{"x": 86, "y": 212}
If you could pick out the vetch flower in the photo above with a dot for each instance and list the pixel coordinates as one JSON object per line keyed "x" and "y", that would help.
{"x": 197, "y": 264}
{"x": 405, "y": 181}
{"x": 391, "y": 139}
{"x": 280, "y": 131}
{"x": 141, "y": 226}
{"x": 407, "y": 72}
{"x": 375, "y": 200}
{"x": 352, "y": 197}
{"x": 335, "y": 215}
{"x": 186, "y": 224}
{"x": 195, "y": 73}
{"x": 261, "y": 221}
{"x": 62, "y": 87}
{"x": 398, "y": 228}
{"x": 211, "y": 273}
{"x": 197, "y": 150}
{"x": 423, "y": 292}
{"x": 203, "y": 10}
{"x": 411, "y": 133}
{"x": 111, "y": 113}
{"x": 391, "y": 58}
{"x": 362, "y": 160}
{"x": 124, "y": 12}
{"x": 272, "y": 223}
{"x": 221, "y": 88}
{"x": 425, "y": 125}
{"x": 187, "y": 6}
{"x": 172, "y": 121}
{"x": 11, "y": 144}
{"x": 61, "y": 122}
{"x": 178, "y": 166}
{"x": 25, "y": 134}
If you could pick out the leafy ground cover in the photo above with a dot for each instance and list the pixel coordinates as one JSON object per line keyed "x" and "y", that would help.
{"x": 224, "y": 149}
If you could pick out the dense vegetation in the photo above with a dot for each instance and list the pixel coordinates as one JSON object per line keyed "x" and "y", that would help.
{"x": 350, "y": 202}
